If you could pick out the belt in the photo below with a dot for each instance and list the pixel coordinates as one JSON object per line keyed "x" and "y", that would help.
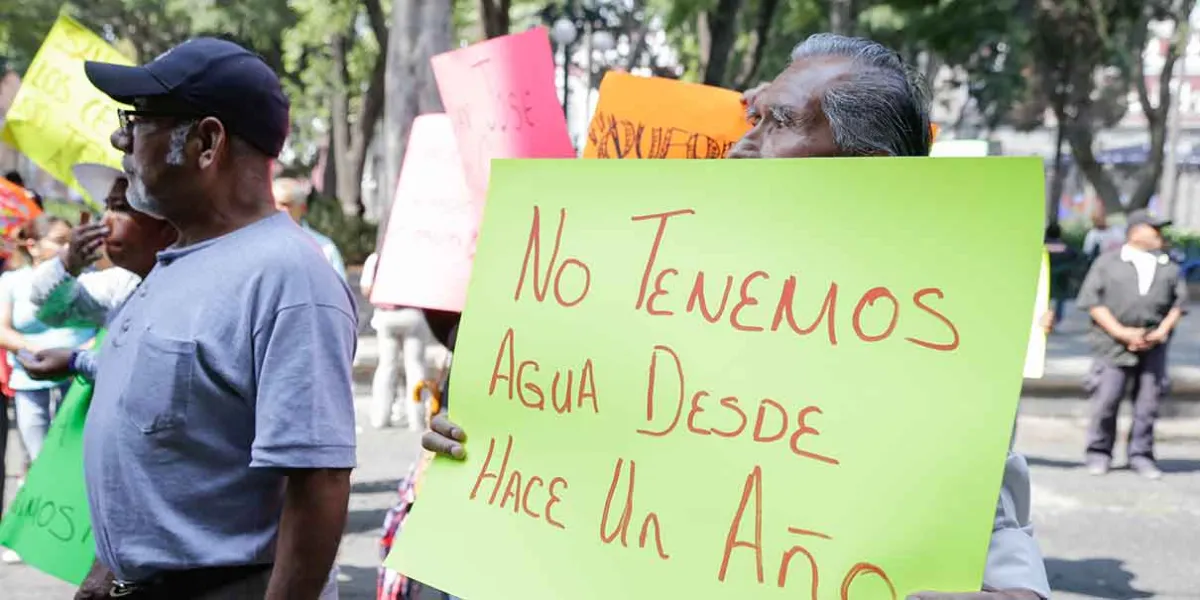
{"x": 181, "y": 585}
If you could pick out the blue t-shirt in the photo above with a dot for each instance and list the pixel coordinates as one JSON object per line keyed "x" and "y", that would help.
{"x": 231, "y": 362}
{"x": 16, "y": 288}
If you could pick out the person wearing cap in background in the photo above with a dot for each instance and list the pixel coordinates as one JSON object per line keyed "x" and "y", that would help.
{"x": 1135, "y": 296}
{"x": 66, "y": 295}
{"x": 221, "y": 436}
{"x": 291, "y": 197}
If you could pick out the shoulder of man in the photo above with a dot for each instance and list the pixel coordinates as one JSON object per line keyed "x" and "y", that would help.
{"x": 292, "y": 270}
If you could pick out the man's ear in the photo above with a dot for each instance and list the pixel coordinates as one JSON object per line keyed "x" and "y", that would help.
{"x": 213, "y": 139}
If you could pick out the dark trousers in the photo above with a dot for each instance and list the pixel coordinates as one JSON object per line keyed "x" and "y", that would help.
{"x": 1146, "y": 382}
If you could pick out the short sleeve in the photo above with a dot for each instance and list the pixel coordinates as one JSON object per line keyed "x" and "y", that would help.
{"x": 304, "y": 398}
{"x": 6, "y": 293}
{"x": 1014, "y": 560}
{"x": 1181, "y": 292}
{"x": 1091, "y": 292}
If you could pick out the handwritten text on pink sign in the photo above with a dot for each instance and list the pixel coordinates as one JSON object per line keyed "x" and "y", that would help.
{"x": 503, "y": 101}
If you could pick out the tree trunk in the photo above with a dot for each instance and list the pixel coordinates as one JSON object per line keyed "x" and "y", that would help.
{"x": 762, "y": 33}
{"x": 347, "y": 190}
{"x": 437, "y": 36}
{"x": 496, "y": 17}
{"x": 420, "y": 29}
{"x": 1158, "y": 117}
{"x": 1059, "y": 177}
{"x": 722, "y": 29}
{"x": 841, "y": 13}
{"x": 1082, "y": 138}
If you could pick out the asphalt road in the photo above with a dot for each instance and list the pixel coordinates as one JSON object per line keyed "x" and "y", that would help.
{"x": 1117, "y": 537}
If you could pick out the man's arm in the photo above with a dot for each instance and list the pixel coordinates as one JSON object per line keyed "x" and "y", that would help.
{"x": 303, "y": 359}
{"x": 1109, "y": 323}
{"x": 1091, "y": 299}
{"x": 1179, "y": 307}
{"x": 314, "y": 516}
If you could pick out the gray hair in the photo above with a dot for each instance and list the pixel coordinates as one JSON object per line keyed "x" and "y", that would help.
{"x": 881, "y": 108}
{"x": 179, "y": 135}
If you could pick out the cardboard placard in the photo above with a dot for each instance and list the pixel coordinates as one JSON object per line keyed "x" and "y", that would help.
{"x": 502, "y": 98}
{"x": 58, "y": 118}
{"x": 652, "y": 117}
{"x": 703, "y": 380}
{"x": 430, "y": 242}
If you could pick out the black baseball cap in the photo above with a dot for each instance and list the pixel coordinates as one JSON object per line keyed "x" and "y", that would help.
{"x": 216, "y": 78}
{"x": 1145, "y": 217}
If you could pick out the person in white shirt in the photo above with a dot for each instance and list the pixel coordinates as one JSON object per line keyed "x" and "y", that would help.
{"x": 1102, "y": 237}
{"x": 1136, "y": 297}
{"x": 66, "y": 295}
{"x": 404, "y": 336}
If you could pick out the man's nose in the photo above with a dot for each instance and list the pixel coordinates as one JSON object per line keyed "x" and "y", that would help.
{"x": 747, "y": 147}
{"x": 121, "y": 140}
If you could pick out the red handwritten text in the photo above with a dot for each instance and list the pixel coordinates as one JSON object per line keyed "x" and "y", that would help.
{"x": 728, "y": 419}
{"x": 567, "y": 391}
{"x": 533, "y": 252}
{"x": 657, "y": 296}
{"x": 518, "y": 488}
{"x": 649, "y": 523}
{"x": 753, "y": 489}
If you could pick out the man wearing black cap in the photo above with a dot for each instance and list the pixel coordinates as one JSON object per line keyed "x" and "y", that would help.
{"x": 221, "y": 435}
{"x": 1135, "y": 296}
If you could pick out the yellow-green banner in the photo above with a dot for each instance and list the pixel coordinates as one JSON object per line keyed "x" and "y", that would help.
{"x": 58, "y": 118}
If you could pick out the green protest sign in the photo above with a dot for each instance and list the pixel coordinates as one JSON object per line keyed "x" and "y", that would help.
{"x": 48, "y": 523}
{"x": 734, "y": 379}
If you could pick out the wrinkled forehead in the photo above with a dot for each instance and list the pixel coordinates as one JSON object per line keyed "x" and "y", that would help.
{"x": 800, "y": 85}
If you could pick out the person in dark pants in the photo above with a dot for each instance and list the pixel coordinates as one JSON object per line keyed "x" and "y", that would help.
{"x": 1135, "y": 296}
{"x": 1062, "y": 257}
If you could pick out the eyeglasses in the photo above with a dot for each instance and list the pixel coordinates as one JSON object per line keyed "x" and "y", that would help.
{"x": 130, "y": 118}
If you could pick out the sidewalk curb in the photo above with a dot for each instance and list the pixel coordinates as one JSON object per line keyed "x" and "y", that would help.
{"x": 1060, "y": 386}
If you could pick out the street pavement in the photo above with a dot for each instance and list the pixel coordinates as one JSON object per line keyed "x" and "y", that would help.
{"x": 1116, "y": 537}
{"x": 383, "y": 457}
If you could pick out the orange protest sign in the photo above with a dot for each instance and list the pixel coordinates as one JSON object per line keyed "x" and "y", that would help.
{"x": 652, "y": 117}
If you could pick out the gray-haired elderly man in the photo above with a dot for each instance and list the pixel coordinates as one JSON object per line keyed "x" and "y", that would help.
{"x": 846, "y": 96}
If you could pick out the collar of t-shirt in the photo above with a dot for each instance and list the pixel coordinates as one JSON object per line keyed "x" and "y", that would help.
{"x": 1144, "y": 263}
{"x": 174, "y": 252}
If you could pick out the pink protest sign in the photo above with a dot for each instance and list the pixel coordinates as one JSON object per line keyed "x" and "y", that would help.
{"x": 503, "y": 100}
{"x": 430, "y": 242}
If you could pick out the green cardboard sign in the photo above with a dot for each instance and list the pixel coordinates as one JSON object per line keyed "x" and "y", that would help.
{"x": 734, "y": 379}
{"x": 48, "y": 523}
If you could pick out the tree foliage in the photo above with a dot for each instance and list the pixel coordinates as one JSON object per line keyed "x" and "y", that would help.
{"x": 1086, "y": 55}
